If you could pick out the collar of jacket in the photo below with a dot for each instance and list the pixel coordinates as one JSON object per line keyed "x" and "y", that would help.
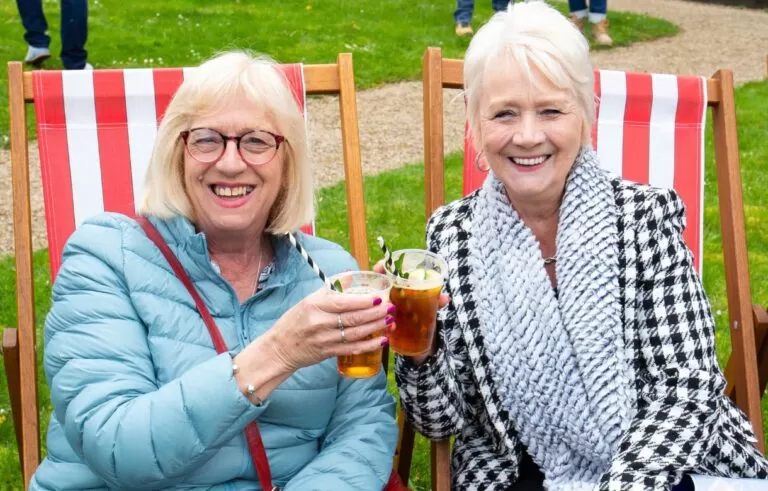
{"x": 463, "y": 298}
{"x": 182, "y": 236}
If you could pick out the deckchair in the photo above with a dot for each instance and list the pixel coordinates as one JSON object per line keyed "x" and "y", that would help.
{"x": 96, "y": 130}
{"x": 651, "y": 126}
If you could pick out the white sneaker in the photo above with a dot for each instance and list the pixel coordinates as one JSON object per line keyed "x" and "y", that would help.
{"x": 35, "y": 56}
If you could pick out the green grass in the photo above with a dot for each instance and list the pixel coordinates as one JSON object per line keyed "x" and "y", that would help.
{"x": 387, "y": 39}
{"x": 394, "y": 207}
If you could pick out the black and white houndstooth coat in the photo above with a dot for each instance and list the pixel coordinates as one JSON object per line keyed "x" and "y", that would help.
{"x": 683, "y": 423}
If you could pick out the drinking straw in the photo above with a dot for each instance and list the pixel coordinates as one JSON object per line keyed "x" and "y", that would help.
{"x": 309, "y": 260}
{"x": 387, "y": 255}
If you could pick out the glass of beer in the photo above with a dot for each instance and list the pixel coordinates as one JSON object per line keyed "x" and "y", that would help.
{"x": 368, "y": 364}
{"x": 415, "y": 298}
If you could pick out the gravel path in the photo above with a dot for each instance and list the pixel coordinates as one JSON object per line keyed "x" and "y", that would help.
{"x": 711, "y": 37}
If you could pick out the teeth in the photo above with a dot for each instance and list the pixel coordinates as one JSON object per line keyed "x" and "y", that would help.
{"x": 533, "y": 161}
{"x": 236, "y": 191}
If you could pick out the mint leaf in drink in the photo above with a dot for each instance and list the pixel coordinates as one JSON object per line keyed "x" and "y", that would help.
{"x": 399, "y": 266}
{"x": 337, "y": 286}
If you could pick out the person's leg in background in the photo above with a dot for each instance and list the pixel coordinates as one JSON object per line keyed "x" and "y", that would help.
{"x": 462, "y": 17}
{"x": 597, "y": 17}
{"x": 35, "y": 27}
{"x": 74, "y": 34}
{"x": 500, "y": 5}
{"x": 579, "y": 12}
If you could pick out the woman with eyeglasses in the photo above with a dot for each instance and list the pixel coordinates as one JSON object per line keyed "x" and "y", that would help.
{"x": 142, "y": 396}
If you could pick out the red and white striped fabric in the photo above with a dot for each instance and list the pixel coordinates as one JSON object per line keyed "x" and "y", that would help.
{"x": 649, "y": 129}
{"x": 96, "y": 130}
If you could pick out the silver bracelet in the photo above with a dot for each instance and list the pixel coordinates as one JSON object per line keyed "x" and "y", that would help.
{"x": 250, "y": 389}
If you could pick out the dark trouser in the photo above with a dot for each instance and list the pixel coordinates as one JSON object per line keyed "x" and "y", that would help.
{"x": 595, "y": 6}
{"x": 527, "y": 485}
{"x": 530, "y": 478}
{"x": 686, "y": 484}
{"x": 74, "y": 29}
{"x": 533, "y": 483}
{"x": 465, "y": 9}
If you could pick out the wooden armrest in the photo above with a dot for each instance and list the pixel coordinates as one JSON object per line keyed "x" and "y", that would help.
{"x": 760, "y": 319}
{"x": 761, "y": 342}
{"x": 13, "y": 377}
{"x": 10, "y": 339}
{"x": 441, "y": 465}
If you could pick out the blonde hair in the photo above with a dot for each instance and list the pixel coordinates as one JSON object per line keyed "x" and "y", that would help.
{"x": 209, "y": 88}
{"x": 531, "y": 35}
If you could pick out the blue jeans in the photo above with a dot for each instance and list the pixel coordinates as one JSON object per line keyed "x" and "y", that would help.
{"x": 74, "y": 29}
{"x": 595, "y": 6}
{"x": 465, "y": 9}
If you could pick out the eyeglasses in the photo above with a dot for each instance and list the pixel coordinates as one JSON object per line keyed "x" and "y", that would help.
{"x": 207, "y": 146}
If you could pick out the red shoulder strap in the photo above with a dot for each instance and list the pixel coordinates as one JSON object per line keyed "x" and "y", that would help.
{"x": 252, "y": 433}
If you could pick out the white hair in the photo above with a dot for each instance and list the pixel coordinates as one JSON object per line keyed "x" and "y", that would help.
{"x": 532, "y": 35}
{"x": 208, "y": 89}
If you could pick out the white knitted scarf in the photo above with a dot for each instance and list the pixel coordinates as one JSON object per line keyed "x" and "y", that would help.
{"x": 558, "y": 362}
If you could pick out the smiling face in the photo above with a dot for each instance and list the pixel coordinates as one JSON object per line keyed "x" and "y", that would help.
{"x": 530, "y": 133}
{"x": 231, "y": 197}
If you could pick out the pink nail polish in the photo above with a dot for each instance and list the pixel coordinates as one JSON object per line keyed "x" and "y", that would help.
{"x": 391, "y": 309}
{"x": 389, "y": 320}
{"x": 376, "y": 301}
{"x": 385, "y": 341}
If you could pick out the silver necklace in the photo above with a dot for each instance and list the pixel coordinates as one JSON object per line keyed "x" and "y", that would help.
{"x": 258, "y": 272}
{"x": 550, "y": 260}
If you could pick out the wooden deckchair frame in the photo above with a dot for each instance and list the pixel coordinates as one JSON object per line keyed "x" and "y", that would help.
{"x": 19, "y": 344}
{"x": 748, "y": 323}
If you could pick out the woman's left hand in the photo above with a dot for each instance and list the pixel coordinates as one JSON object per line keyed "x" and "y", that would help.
{"x": 442, "y": 302}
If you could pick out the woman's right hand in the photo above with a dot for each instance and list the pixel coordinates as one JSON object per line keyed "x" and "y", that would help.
{"x": 309, "y": 332}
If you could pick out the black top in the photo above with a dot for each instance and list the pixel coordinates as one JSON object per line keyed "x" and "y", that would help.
{"x": 531, "y": 478}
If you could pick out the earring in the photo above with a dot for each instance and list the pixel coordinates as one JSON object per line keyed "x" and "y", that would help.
{"x": 477, "y": 163}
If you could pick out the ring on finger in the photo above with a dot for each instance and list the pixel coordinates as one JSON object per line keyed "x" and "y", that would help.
{"x": 339, "y": 324}
{"x": 343, "y": 337}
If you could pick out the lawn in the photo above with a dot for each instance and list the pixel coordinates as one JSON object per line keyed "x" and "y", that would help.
{"x": 387, "y": 39}
{"x": 394, "y": 209}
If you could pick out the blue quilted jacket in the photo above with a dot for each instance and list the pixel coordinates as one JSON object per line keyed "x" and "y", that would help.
{"x": 141, "y": 399}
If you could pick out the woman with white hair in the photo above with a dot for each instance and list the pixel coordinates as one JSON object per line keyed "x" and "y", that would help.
{"x": 577, "y": 350}
{"x": 146, "y": 393}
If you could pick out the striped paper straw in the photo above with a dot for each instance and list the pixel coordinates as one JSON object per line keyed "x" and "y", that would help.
{"x": 309, "y": 260}
{"x": 387, "y": 255}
